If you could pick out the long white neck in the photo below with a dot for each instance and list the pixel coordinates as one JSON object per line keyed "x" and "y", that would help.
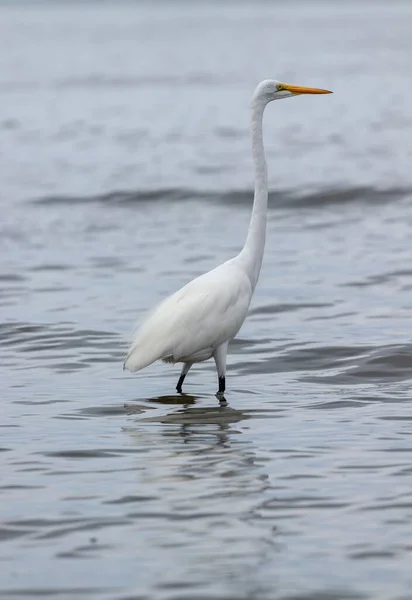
{"x": 252, "y": 253}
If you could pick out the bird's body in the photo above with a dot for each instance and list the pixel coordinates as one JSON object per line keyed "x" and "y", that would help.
{"x": 187, "y": 320}
{"x": 198, "y": 321}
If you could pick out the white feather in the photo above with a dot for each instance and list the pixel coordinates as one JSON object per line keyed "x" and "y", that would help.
{"x": 189, "y": 325}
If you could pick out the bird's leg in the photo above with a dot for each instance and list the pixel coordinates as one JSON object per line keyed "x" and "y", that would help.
{"x": 184, "y": 372}
{"x": 220, "y": 359}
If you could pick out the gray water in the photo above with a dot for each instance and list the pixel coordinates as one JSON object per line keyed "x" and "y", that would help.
{"x": 125, "y": 171}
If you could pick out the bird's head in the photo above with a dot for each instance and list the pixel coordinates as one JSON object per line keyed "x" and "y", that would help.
{"x": 271, "y": 89}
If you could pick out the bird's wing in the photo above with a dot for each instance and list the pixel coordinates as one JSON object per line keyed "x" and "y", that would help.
{"x": 199, "y": 317}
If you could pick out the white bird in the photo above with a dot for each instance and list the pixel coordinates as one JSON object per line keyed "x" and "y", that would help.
{"x": 200, "y": 320}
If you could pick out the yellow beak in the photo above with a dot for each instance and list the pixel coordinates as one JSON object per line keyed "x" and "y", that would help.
{"x": 297, "y": 89}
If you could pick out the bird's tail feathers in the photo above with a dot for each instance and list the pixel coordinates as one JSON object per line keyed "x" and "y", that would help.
{"x": 137, "y": 359}
{"x": 143, "y": 353}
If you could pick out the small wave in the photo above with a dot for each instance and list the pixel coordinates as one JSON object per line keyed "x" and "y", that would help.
{"x": 61, "y": 347}
{"x": 120, "y": 197}
{"x": 273, "y": 309}
{"x": 380, "y": 279}
{"x": 386, "y": 364}
{"x": 390, "y": 363}
{"x": 103, "y": 81}
{"x": 277, "y": 198}
{"x": 337, "y": 365}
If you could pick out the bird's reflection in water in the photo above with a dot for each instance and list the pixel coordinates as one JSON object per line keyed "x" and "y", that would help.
{"x": 195, "y": 440}
{"x": 184, "y": 399}
{"x": 194, "y": 421}
{"x": 199, "y": 467}
{"x": 202, "y": 471}
{"x": 178, "y": 399}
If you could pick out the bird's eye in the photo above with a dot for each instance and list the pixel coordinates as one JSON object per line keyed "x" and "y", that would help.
{"x": 279, "y": 87}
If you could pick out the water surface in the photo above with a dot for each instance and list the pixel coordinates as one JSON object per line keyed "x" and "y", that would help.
{"x": 125, "y": 171}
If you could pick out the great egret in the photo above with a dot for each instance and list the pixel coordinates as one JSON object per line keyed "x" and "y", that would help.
{"x": 199, "y": 320}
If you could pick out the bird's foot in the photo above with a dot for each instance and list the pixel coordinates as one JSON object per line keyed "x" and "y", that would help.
{"x": 221, "y": 397}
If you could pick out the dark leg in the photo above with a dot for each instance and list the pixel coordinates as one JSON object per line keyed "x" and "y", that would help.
{"x": 180, "y": 383}
{"x": 221, "y": 392}
{"x": 185, "y": 370}
{"x": 220, "y": 359}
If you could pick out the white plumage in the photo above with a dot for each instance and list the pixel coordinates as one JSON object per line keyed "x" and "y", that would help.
{"x": 187, "y": 320}
{"x": 198, "y": 321}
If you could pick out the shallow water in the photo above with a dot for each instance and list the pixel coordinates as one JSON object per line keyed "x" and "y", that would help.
{"x": 125, "y": 170}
